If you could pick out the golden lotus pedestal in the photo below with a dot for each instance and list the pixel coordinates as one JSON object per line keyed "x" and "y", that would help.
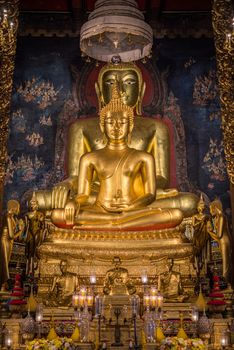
{"x": 93, "y": 251}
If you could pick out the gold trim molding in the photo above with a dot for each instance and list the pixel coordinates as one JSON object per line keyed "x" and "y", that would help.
{"x": 222, "y": 14}
{"x": 8, "y": 32}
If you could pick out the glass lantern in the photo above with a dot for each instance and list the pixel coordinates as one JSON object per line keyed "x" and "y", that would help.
{"x": 224, "y": 340}
{"x": 8, "y": 339}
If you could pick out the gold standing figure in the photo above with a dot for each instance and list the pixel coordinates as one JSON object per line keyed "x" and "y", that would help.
{"x": 12, "y": 229}
{"x": 34, "y": 232}
{"x": 218, "y": 229}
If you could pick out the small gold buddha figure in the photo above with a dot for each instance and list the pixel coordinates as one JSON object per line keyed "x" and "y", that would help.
{"x": 199, "y": 221}
{"x": 217, "y": 228}
{"x": 34, "y": 232}
{"x": 63, "y": 287}
{"x": 126, "y": 198}
{"x": 148, "y": 135}
{"x": 117, "y": 280}
{"x": 200, "y": 234}
{"x": 170, "y": 284}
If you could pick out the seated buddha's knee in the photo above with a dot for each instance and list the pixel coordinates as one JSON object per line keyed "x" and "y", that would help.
{"x": 185, "y": 201}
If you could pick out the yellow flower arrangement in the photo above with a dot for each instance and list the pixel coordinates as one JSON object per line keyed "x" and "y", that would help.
{"x": 55, "y": 344}
{"x": 175, "y": 343}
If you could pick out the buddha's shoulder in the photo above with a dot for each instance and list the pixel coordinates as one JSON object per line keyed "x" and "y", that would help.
{"x": 155, "y": 125}
{"x": 92, "y": 154}
{"x": 84, "y": 124}
{"x": 139, "y": 154}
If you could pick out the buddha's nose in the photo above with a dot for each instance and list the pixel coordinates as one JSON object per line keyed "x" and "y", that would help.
{"x": 121, "y": 87}
{"x": 116, "y": 124}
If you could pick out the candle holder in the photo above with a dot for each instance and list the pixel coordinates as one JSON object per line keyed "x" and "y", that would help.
{"x": 117, "y": 313}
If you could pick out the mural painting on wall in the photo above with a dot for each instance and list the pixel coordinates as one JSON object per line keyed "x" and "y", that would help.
{"x": 53, "y": 88}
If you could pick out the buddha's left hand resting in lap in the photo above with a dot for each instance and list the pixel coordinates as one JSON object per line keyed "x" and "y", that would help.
{"x": 120, "y": 170}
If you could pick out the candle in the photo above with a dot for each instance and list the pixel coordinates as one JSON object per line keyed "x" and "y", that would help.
{"x": 89, "y": 300}
{"x": 81, "y": 300}
{"x": 160, "y": 301}
{"x": 75, "y": 300}
{"x": 153, "y": 300}
{"x": 146, "y": 300}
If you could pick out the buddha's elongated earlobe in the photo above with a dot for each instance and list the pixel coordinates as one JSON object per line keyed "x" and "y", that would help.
{"x": 104, "y": 138}
{"x": 140, "y": 98}
{"x": 129, "y": 138}
{"x": 99, "y": 96}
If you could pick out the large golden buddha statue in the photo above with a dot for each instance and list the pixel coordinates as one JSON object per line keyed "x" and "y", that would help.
{"x": 127, "y": 194}
{"x": 148, "y": 135}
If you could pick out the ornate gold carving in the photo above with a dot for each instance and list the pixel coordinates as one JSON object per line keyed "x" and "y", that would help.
{"x": 8, "y": 31}
{"x": 222, "y": 16}
{"x": 58, "y": 234}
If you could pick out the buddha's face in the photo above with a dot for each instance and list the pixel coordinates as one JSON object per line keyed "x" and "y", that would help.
{"x": 13, "y": 208}
{"x": 213, "y": 209}
{"x": 63, "y": 267}
{"x": 201, "y": 207}
{"x": 116, "y": 126}
{"x": 128, "y": 85}
{"x": 33, "y": 204}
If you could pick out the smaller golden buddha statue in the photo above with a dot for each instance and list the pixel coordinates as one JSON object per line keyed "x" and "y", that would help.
{"x": 170, "y": 284}
{"x": 12, "y": 229}
{"x": 126, "y": 198}
{"x": 199, "y": 221}
{"x": 200, "y": 234}
{"x": 63, "y": 287}
{"x": 217, "y": 228}
{"x": 117, "y": 280}
{"x": 34, "y": 231}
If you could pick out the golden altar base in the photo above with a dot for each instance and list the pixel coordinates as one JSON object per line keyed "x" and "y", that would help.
{"x": 82, "y": 244}
{"x": 87, "y": 251}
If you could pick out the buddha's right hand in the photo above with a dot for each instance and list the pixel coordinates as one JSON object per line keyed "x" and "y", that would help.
{"x": 70, "y": 211}
{"x": 60, "y": 194}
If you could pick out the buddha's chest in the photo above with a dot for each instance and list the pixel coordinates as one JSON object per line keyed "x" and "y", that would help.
{"x": 120, "y": 166}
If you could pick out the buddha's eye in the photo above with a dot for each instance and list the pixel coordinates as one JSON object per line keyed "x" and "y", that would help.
{"x": 129, "y": 82}
{"x": 109, "y": 82}
{"x": 123, "y": 120}
{"x": 109, "y": 121}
